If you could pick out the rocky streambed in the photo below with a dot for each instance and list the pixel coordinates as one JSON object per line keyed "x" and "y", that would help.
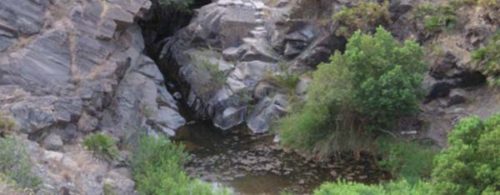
{"x": 256, "y": 164}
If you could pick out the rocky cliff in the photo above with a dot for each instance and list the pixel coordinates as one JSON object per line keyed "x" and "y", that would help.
{"x": 227, "y": 60}
{"x": 68, "y": 68}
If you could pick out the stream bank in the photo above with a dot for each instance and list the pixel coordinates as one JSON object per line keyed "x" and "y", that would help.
{"x": 256, "y": 164}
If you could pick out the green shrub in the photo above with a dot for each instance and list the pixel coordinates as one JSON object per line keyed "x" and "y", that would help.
{"x": 471, "y": 163}
{"x": 157, "y": 169}
{"x": 103, "y": 146}
{"x": 216, "y": 78}
{"x": 489, "y": 59}
{"x": 393, "y": 188}
{"x": 15, "y": 163}
{"x": 365, "y": 16}
{"x": 376, "y": 81}
{"x": 436, "y": 18}
{"x": 283, "y": 78}
{"x": 407, "y": 160}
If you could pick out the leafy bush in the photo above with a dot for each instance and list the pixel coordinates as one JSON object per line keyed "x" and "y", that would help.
{"x": 489, "y": 57}
{"x": 393, "y": 188}
{"x": 376, "y": 81}
{"x": 407, "y": 160}
{"x": 178, "y": 4}
{"x": 15, "y": 163}
{"x": 157, "y": 169}
{"x": 102, "y": 145}
{"x": 365, "y": 16}
{"x": 471, "y": 163}
{"x": 436, "y": 18}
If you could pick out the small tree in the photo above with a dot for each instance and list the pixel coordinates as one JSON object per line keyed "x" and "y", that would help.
{"x": 376, "y": 81}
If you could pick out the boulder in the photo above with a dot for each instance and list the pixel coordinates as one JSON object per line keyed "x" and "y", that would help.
{"x": 246, "y": 44}
{"x": 53, "y": 142}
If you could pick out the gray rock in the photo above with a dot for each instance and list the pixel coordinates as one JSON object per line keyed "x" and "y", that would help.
{"x": 68, "y": 65}
{"x": 169, "y": 117}
{"x": 266, "y": 111}
{"x": 53, "y": 142}
{"x": 87, "y": 123}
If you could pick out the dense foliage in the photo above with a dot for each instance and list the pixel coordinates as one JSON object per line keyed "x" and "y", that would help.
{"x": 363, "y": 16}
{"x": 376, "y": 81}
{"x": 471, "y": 163}
{"x": 103, "y": 146}
{"x": 489, "y": 57}
{"x": 15, "y": 164}
{"x": 157, "y": 167}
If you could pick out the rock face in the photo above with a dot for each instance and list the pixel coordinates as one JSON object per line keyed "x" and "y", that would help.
{"x": 68, "y": 68}
{"x": 80, "y": 63}
{"x": 232, "y": 47}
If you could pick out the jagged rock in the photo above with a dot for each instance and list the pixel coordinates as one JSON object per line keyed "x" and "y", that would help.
{"x": 247, "y": 45}
{"x": 266, "y": 111}
{"x": 71, "y": 67}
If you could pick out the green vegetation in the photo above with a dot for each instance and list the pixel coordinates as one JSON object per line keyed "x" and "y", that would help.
{"x": 6, "y": 124}
{"x": 393, "y": 188}
{"x": 107, "y": 189}
{"x": 471, "y": 163}
{"x": 15, "y": 164}
{"x": 216, "y": 77}
{"x": 489, "y": 59}
{"x": 178, "y": 4}
{"x": 287, "y": 80}
{"x": 8, "y": 186}
{"x": 406, "y": 160}
{"x": 157, "y": 167}
{"x": 362, "y": 17}
{"x": 284, "y": 79}
{"x": 363, "y": 91}
{"x": 103, "y": 146}
{"x": 436, "y": 18}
